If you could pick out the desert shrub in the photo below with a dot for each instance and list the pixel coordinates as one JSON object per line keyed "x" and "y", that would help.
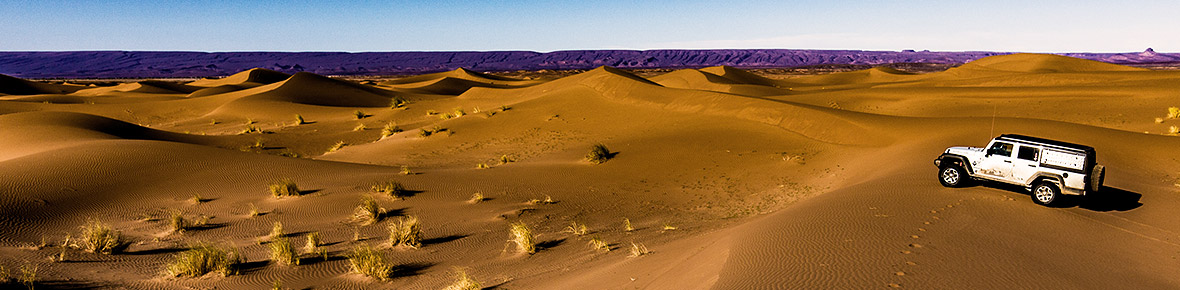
{"x": 369, "y": 262}
{"x": 548, "y": 200}
{"x": 458, "y": 112}
{"x": 177, "y": 222}
{"x": 359, "y": 115}
{"x": 397, "y": 102}
{"x": 202, "y": 259}
{"x": 522, "y": 237}
{"x": 446, "y": 116}
{"x": 251, "y": 129}
{"x": 299, "y": 120}
{"x": 505, "y": 108}
{"x": 100, "y": 238}
{"x": 28, "y": 275}
{"x": 668, "y": 227}
{"x": 197, "y": 198}
{"x": 253, "y": 210}
{"x": 1173, "y": 113}
{"x": 638, "y": 250}
{"x": 359, "y": 127}
{"x": 505, "y": 159}
{"x": 406, "y": 170}
{"x": 476, "y": 198}
{"x": 431, "y": 112}
{"x": 276, "y": 231}
{"x": 282, "y": 252}
{"x": 598, "y": 154}
{"x": 312, "y": 247}
{"x": 463, "y": 282}
{"x": 390, "y": 129}
{"x": 482, "y": 166}
{"x": 405, "y": 232}
{"x": 1173, "y": 130}
{"x": 425, "y": 133}
{"x": 576, "y": 229}
{"x": 599, "y": 244}
{"x": 627, "y": 225}
{"x": 336, "y": 146}
{"x": 391, "y": 188}
{"x": 285, "y": 187}
{"x": 368, "y": 212}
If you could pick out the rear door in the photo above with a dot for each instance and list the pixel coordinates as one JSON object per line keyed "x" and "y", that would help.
{"x": 1026, "y": 164}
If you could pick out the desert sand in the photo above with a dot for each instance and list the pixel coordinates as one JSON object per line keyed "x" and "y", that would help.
{"x": 732, "y": 180}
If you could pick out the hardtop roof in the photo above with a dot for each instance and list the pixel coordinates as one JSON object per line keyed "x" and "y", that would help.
{"x": 1017, "y": 137}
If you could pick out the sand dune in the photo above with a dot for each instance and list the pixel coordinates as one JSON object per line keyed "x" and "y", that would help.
{"x": 732, "y": 180}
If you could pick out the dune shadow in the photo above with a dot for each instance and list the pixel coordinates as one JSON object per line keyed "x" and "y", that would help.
{"x": 250, "y": 267}
{"x": 316, "y": 259}
{"x": 155, "y": 251}
{"x": 309, "y": 191}
{"x": 496, "y": 286}
{"x": 66, "y": 284}
{"x": 411, "y": 269}
{"x": 444, "y": 239}
{"x": 1111, "y": 199}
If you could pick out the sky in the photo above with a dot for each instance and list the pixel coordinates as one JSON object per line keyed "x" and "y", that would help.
{"x": 445, "y": 25}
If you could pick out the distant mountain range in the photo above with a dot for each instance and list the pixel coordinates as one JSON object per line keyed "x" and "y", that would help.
{"x": 162, "y": 64}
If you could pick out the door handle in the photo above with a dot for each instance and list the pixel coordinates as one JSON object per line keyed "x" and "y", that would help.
{"x": 1007, "y": 161}
{"x": 1030, "y": 165}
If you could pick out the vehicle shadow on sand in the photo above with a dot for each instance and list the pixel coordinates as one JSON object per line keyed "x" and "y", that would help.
{"x": 1107, "y": 199}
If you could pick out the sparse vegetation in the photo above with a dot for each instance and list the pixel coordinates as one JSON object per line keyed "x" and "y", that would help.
{"x": 359, "y": 127}
{"x": 425, "y": 133}
{"x": 397, "y": 102}
{"x": 505, "y": 159}
{"x": 251, "y": 129}
{"x": 522, "y": 236}
{"x": 458, "y": 112}
{"x": 431, "y": 112}
{"x": 282, "y": 252}
{"x": 368, "y": 212}
{"x": 1173, "y": 130}
{"x": 405, "y": 232}
{"x": 28, "y": 275}
{"x": 1173, "y": 113}
{"x": 250, "y": 121}
{"x": 638, "y": 250}
{"x": 548, "y": 200}
{"x": 627, "y": 225}
{"x": 598, "y": 154}
{"x": 100, "y": 238}
{"x": 359, "y": 115}
{"x": 202, "y": 259}
{"x": 463, "y": 281}
{"x": 406, "y": 170}
{"x": 576, "y": 229}
{"x": 299, "y": 120}
{"x": 276, "y": 231}
{"x": 285, "y": 187}
{"x": 177, "y": 222}
{"x": 336, "y": 146}
{"x": 392, "y": 189}
{"x": 482, "y": 166}
{"x": 253, "y": 210}
{"x": 390, "y": 129}
{"x": 668, "y": 227}
{"x": 197, "y": 198}
{"x": 505, "y": 108}
{"x": 313, "y": 243}
{"x": 369, "y": 262}
{"x": 476, "y": 198}
{"x": 599, "y": 244}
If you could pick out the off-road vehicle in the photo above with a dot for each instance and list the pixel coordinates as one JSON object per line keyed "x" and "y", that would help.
{"x": 1045, "y": 167}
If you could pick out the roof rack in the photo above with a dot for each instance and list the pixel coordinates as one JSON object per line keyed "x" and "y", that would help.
{"x": 1017, "y": 137}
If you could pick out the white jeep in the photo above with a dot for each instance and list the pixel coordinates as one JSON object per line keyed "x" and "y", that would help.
{"x": 1047, "y": 168}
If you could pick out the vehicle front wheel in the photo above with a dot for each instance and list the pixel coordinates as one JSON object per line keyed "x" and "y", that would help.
{"x": 1047, "y": 194}
{"x": 952, "y": 176}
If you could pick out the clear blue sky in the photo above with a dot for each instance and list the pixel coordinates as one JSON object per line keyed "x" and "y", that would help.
{"x": 941, "y": 25}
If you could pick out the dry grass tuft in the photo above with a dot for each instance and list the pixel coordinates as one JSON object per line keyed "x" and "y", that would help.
{"x": 1173, "y": 130}
{"x": 458, "y": 112}
{"x": 1173, "y": 113}
{"x": 100, "y": 238}
{"x": 359, "y": 115}
{"x": 482, "y": 166}
{"x": 359, "y": 127}
{"x": 576, "y": 229}
{"x": 336, "y": 146}
{"x": 397, "y": 102}
{"x": 547, "y": 200}
{"x": 390, "y": 129}
{"x": 463, "y": 281}
{"x": 405, "y": 232}
{"x": 254, "y": 210}
{"x": 669, "y": 227}
{"x": 276, "y": 231}
{"x": 476, "y": 198}
{"x": 425, "y": 133}
{"x": 282, "y": 252}
{"x": 522, "y": 237}
{"x": 28, "y": 275}
{"x": 638, "y": 250}
{"x": 627, "y": 225}
{"x": 202, "y": 259}
{"x": 285, "y": 187}
{"x": 505, "y": 159}
{"x": 406, "y": 170}
{"x": 369, "y": 262}
{"x": 177, "y": 222}
{"x": 299, "y": 120}
{"x": 368, "y": 212}
{"x": 251, "y": 129}
{"x": 599, "y": 244}
{"x": 391, "y": 188}
{"x": 598, "y": 154}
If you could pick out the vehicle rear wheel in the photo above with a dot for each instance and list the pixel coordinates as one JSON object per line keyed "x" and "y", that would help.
{"x": 1046, "y": 193}
{"x": 952, "y": 176}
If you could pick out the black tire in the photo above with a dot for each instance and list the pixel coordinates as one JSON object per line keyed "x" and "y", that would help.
{"x": 1097, "y": 176}
{"x": 1046, "y": 194}
{"x": 952, "y": 176}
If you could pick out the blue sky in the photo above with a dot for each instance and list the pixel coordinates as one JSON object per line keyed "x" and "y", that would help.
{"x": 1001, "y": 25}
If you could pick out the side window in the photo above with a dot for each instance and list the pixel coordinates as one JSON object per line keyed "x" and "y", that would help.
{"x": 1001, "y": 148}
{"x": 1028, "y": 153}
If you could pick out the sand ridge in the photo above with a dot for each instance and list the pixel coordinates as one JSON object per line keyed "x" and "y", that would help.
{"x": 731, "y": 179}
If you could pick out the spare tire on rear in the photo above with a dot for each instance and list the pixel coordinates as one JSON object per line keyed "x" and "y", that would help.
{"x": 1097, "y": 176}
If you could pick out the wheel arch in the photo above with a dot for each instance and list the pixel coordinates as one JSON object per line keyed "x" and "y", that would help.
{"x": 959, "y": 160}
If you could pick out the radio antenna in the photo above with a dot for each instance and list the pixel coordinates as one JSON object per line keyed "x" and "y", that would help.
{"x": 993, "y": 130}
